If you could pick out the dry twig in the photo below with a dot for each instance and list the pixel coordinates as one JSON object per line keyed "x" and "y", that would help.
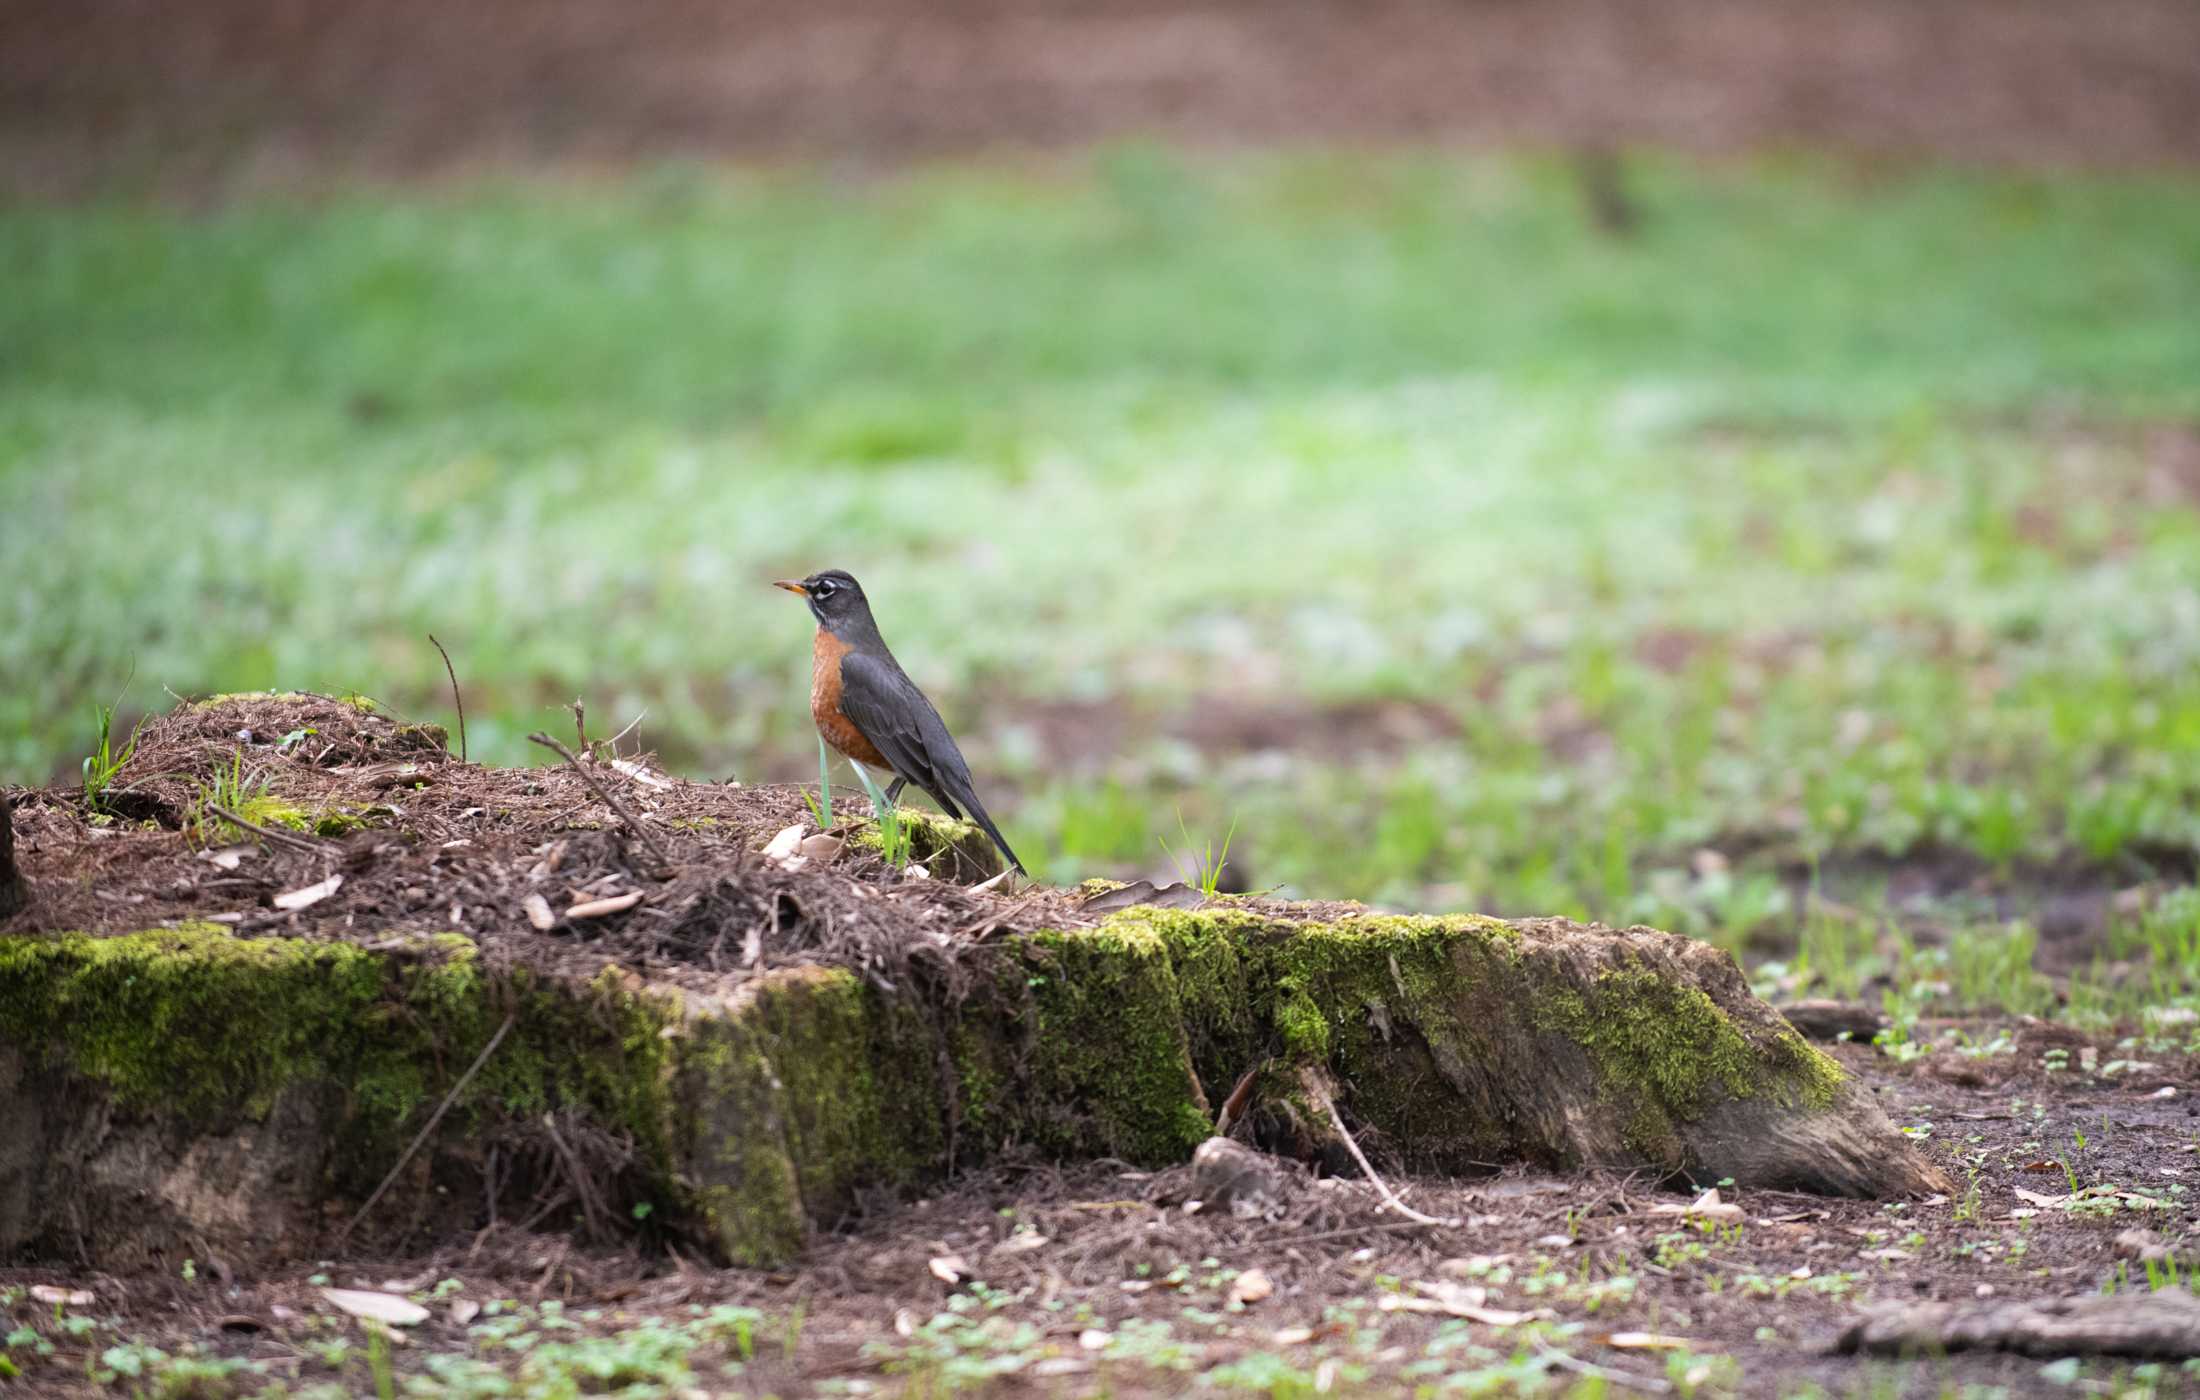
{"x": 429, "y": 1127}
{"x": 649, "y": 838}
{"x": 1390, "y": 1197}
{"x": 456, "y": 699}
{"x": 280, "y": 838}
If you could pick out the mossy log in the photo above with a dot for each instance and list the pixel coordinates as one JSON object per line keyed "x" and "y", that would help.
{"x": 185, "y": 1091}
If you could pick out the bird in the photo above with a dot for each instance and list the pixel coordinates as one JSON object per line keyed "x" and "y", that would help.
{"x": 869, "y": 710}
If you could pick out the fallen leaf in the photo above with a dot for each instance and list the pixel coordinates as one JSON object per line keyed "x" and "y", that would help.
{"x": 1135, "y": 1285}
{"x": 2043, "y": 1166}
{"x": 61, "y": 1297}
{"x": 548, "y": 865}
{"x": 311, "y": 894}
{"x": 987, "y": 886}
{"x": 905, "y": 1323}
{"x": 1292, "y": 1336}
{"x": 1555, "y": 1242}
{"x": 385, "y": 1308}
{"x": 1093, "y": 1339}
{"x": 1645, "y": 1341}
{"x": 597, "y": 908}
{"x": 1022, "y": 1242}
{"x": 1708, "y": 1206}
{"x": 639, "y": 774}
{"x": 949, "y": 1268}
{"x": 227, "y": 857}
{"x": 2036, "y": 1199}
{"x": 783, "y": 847}
{"x": 538, "y": 913}
{"x": 464, "y": 1310}
{"x": 915, "y": 872}
{"x": 822, "y": 847}
{"x": 1250, "y": 1287}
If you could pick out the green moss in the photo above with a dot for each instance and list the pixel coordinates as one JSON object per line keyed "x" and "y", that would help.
{"x": 1301, "y": 1024}
{"x": 270, "y": 810}
{"x": 197, "y": 1022}
{"x": 191, "y": 1016}
{"x": 1668, "y": 1044}
{"x": 935, "y": 838}
{"x": 1110, "y": 1068}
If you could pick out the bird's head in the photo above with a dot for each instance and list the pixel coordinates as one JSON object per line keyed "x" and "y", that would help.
{"x": 835, "y": 598}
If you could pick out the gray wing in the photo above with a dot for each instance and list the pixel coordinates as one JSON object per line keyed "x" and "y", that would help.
{"x": 894, "y": 715}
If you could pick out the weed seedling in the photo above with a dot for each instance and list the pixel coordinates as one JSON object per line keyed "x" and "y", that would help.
{"x": 102, "y": 763}
{"x": 1200, "y": 865}
{"x": 821, "y": 805}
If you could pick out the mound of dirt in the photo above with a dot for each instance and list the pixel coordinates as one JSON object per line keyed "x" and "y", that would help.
{"x": 293, "y": 942}
{"x": 417, "y": 842}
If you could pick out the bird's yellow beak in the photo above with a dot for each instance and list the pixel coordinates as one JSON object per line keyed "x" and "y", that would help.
{"x": 791, "y": 585}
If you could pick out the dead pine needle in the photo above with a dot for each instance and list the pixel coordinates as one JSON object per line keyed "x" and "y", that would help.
{"x": 456, "y": 698}
{"x": 649, "y": 838}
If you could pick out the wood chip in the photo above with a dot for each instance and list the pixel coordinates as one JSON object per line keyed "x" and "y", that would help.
{"x": 1646, "y": 1341}
{"x": 1250, "y": 1287}
{"x": 597, "y": 908}
{"x": 950, "y": 1268}
{"x": 464, "y": 1310}
{"x": 54, "y": 1297}
{"x": 639, "y": 774}
{"x": 1708, "y": 1206}
{"x": 310, "y": 895}
{"x": 786, "y": 845}
{"x": 539, "y": 913}
{"x": 385, "y": 1308}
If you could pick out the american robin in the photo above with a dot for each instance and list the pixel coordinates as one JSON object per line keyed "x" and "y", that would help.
{"x": 869, "y": 710}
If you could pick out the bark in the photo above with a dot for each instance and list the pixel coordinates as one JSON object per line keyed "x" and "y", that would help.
{"x": 15, "y": 891}
{"x": 2157, "y": 1326}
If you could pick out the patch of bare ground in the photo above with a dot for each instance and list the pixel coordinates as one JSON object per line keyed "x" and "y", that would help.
{"x": 1103, "y": 1278}
{"x": 257, "y": 92}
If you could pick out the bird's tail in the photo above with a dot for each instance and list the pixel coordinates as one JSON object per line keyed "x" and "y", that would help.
{"x": 985, "y": 824}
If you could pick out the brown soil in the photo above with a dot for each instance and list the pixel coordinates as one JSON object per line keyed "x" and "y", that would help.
{"x": 1120, "y": 1246}
{"x": 259, "y": 92}
{"x": 442, "y": 845}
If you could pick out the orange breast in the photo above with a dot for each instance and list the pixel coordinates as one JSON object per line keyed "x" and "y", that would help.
{"x": 838, "y": 729}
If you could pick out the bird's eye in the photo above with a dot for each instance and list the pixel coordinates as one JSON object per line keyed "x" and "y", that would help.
{"x": 824, "y": 588}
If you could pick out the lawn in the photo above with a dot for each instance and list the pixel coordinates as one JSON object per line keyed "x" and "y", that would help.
{"x": 1842, "y": 524}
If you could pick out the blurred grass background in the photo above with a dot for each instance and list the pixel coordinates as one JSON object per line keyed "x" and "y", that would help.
{"x": 1839, "y": 524}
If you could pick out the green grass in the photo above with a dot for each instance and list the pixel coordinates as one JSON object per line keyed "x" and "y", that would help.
{"x": 1834, "y": 519}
